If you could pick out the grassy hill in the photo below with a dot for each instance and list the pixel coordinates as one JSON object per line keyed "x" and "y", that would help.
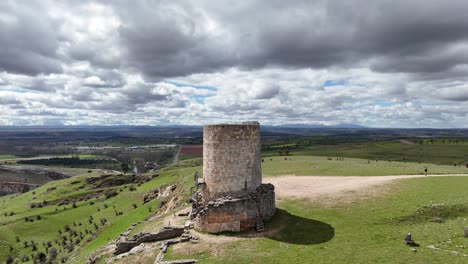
{"x": 78, "y": 215}
{"x": 90, "y": 210}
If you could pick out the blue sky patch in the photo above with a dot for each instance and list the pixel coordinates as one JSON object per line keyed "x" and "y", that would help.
{"x": 201, "y": 98}
{"x": 328, "y": 83}
{"x": 18, "y": 90}
{"x": 205, "y": 87}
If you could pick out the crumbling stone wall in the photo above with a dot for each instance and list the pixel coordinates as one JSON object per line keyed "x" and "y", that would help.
{"x": 247, "y": 212}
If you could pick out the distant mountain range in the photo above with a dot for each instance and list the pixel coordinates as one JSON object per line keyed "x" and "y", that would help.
{"x": 316, "y": 126}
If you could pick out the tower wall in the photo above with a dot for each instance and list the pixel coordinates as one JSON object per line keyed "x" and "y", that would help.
{"x": 231, "y": 196}
{"x": 231, "y": 159}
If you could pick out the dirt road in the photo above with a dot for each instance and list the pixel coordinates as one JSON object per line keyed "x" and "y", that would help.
{"x": 318, "y": 186}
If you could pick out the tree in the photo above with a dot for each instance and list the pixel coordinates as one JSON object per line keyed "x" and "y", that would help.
{"x": 125, "y": 167}
{"x": 10, "y": 260}
{"x": 53, "y": 253}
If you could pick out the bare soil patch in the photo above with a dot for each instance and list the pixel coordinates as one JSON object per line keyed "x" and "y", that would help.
{"x": 314, "y": 187}
{"x": 191, "y": 150}
{"x": 406, "y": 142}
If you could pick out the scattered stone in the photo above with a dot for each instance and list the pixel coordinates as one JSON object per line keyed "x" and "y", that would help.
{"x": 124, "y": 245}
{"x": 414, "y": 250}
{"x": 438, "y": 220}
{"x": 183, "y": 214}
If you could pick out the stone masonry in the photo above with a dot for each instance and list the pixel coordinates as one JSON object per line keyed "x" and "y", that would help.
{"x": 231, "y": 196}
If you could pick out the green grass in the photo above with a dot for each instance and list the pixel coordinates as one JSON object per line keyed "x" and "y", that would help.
{"x": 6, "y": 156}
{"x": 87, "y": 156}
{"x": 52, "y": 220}
{"x": 327, "y": 166}
{"x": 368, "y": 231}
{"x": 439, "y": 152}
{"x": 187, "y": 157}
{"x": 358, "y": 232}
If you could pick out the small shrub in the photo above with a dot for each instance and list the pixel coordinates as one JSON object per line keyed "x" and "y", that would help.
{"x": 38, "y": 217}
{"x": 33, "y": 246}
{"x": 42, "y": 257}
{"x": 53, "y": 253}
{"x": 465, "y": 230}
{"x": 74, "y": 205}
{"x": 10, "y": 260}
{"x": 134, "y": 206}
{"x": 111, "y": 193}
{"x": 132, "y": 188}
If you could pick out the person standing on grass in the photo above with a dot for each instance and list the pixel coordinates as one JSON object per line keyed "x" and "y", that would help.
{"x": 425, "y": 170}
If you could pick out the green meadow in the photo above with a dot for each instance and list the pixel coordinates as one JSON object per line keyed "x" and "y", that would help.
{"x": 436, "y": 151}
{"x": 365, "y": 231}
{"x": 334, "y": 166}
{"x": 6, "y": 156}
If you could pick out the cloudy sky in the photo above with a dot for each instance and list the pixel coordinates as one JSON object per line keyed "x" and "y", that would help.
{"x": 395, "y": 63}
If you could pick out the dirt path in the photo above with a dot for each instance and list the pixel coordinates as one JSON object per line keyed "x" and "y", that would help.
{"x": 176, "y": 156}
{"x": 318, "y": 186}
{"x": 406, "y": 142}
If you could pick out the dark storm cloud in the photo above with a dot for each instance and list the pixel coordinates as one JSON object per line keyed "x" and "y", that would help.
{"x": 165, "y": 39}
{"x": 27, "y": 40}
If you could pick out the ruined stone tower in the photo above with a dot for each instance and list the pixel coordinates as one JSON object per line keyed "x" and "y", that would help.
{"x": 231, "y": 196}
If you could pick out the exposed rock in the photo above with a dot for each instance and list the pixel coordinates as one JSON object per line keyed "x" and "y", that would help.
{"x": 438, "y": 220}
{"x": 124, "y": 245}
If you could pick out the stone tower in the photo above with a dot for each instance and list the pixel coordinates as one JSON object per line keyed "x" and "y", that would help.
{"x": 231, "y": 159}
{"x": 231, "y": 196}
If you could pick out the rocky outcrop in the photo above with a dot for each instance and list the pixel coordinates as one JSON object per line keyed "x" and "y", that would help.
{"x": 124, "y": 245}
{"x": 7, "y": 188}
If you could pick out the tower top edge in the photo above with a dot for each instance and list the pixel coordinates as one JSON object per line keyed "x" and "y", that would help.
{"x": 248, "y": 123}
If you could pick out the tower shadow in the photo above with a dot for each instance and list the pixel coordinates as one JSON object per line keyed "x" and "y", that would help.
{"x": 293, "y": 229}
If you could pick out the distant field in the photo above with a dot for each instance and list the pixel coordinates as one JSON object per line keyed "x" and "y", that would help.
{"x": 191, "y": 150}
{"x": 447, "y": 151}
{"x": 88, "y": 156}
{"x": 3, "y": 156}
{"x": 332, "y": 166}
